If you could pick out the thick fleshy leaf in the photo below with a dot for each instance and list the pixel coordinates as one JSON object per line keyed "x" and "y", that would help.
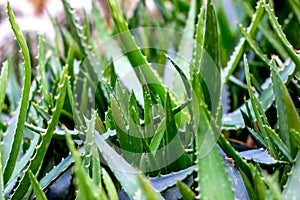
{"x": 124, "y": 172}
{"x": 288, "y": 117}
{"x": 238, "y": 185}
{"x": 42, "y": 71}
{"x": 42, "y": 147}
{"x": 199, "y": 39}
{"x": 22, "y": 162}
{"x": 109, "y": 185}
{"x": 240, "y": 48}
{"x": 88, "y": 142}
{"x": 134, "y": 54}
{"x": 279, "y": 32}
{"x": 186, "y": 192}
{"x": 234, "y": 120}
{"x": 86, "y": 189}
{"x": 53, "y": 175}
{"x": 290, "y": 190}
{"x": 147, "y": 190}
{"x": 40, "y": 195}
{"x": 259, "y": 114}
{"x": 253, "y": 45}
{"x": 210, "y": 60}
{"x": 266, "y": 31}
{"x": 259, "y": 156}
{"x": 185, "y": 51}
{"x": 17, "y": 137}
{"x": 175, "y": 154}
{"x": 163, "y": 182}
{"x": 210, "y": 167}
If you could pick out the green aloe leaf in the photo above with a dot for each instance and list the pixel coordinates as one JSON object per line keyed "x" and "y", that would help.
{"x": 235, "y": 121}
{"x": 134, "y": 54}
{"x": 183, "y": 77}
{"x": 8, "y": 139}
{"x": 226, "y": 30}
{"x": 122, "y": 97}
{"x": 199, "y": 39}
{"x": 24, "y": 159}
{"x": 3, "y": 80}
{"x": 13, "y": 154}
{"x": 135, "y": 132}
{"x": 149, "y": 128}
{"x": 266, "y": 31}
{"x": 158, "y": 136}
{"x": 52, "y": 175}
{"x": 274, "y": 145}
{"x": 290, "y": 190}
{"x": 259, "y": 114}
{"x": 257, "y": 138}
{"x": 280, "y": 145}
{"x": 124, "y": 172}
{"x": 40, "y": 195}
{"x": 99, "y": 22}
{"x": 296, "y": 137}
{"x": 210, "y": 60}
{"x": 86, "y": 26}
{"x": 109, "y": 185}
{"x": 41, "y": 111}
{"x": 254, "y": 46}
{"x": 185, "y": 191}
{"x": 288, "y": 117}
{"x": 118, "y": 117}
{"x": 173, "y": 146}
{"x": 76, "y": 29}
{"x": 250, "y": 175}
{"x": 14, "y": 92}
{"x": 240, "y": 48}
{"x": 46, "y": 137}
{"x": 84, "y": 47}
{"x": 42, "y": 70}
{"x": 279, "y": 32}
{"x": 86, "y": 189}
{"x": 185, "y": 51}
{"x": 163, "y": 182}
{"x": 96, "y": 166}
{"x": 210, "y": 167}
{"x": 147, "y": 190}
{"x": 88, "y": 142}
{"x": 274, "y": 190}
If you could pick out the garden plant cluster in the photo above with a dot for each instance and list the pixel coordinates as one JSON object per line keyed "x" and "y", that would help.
{"x": 172, "y": 102}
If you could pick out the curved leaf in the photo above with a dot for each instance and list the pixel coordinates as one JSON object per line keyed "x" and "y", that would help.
{"x": 86, "y": 189}
{"x": 36, "y": 187}
{"x": 290, "y": 190}
{"x": 240, "y": 48}
{"x": 11, "y": 162}
{"x": 279, "y": 32}
{"x": 41, "y": 148}
{"x": 186, "y": 192}
{"x": 288, "y": 117}
{"x": 135, "y": 56}
{"x": 163, "y": 182}
{"x": 124, "y": 172}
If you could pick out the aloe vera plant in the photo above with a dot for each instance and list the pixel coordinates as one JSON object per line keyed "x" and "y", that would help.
{"x": 157, "y": 141}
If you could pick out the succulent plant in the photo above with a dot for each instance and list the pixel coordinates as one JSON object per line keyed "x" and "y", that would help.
{"x": 96, "y": 119}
